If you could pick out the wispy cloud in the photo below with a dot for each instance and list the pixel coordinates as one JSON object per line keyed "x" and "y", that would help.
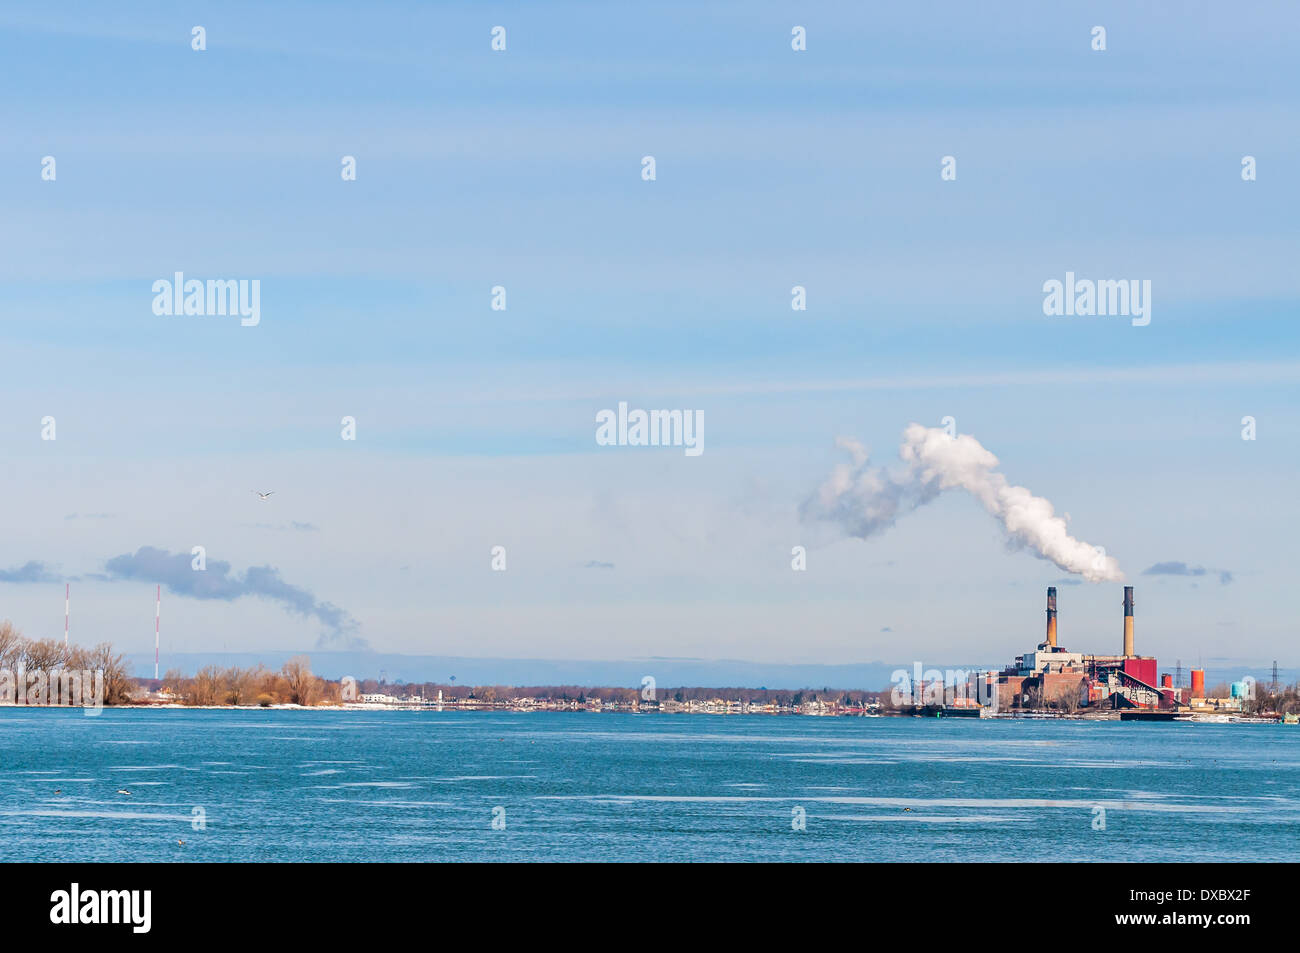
{"x": 32, "y": 571}
{"x": 175, "y": 572}
{"x": 1182, "y": 569}
{"x": 1210, "y": 372}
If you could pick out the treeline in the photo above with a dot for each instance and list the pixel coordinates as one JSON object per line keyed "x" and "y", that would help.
{"x": 19, "y": 653}
{"x": 1285, "y": 701}
{"x": 293, "y": 684}
{"x": 607, "y": 694}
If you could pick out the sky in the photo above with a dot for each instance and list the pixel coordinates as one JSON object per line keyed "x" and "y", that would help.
{"x": 522, "y": 168}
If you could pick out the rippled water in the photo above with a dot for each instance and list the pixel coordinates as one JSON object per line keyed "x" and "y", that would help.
{"x": 320, "y": 785}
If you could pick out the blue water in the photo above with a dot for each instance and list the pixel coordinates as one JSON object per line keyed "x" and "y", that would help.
{"x": 402, "y": 786}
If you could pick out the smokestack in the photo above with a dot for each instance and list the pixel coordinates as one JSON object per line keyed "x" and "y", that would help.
{"x": 1051, "y": 616}
{"x": 1128, "y": 622}
{"x": 1198, "y": 683}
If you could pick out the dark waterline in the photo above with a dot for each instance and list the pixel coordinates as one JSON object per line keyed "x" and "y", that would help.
{"x": 423, "y": 786}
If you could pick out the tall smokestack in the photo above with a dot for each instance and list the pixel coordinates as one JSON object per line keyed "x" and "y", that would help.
{"x": 1128, "y": 622}
{"x": 1051, "y": 616}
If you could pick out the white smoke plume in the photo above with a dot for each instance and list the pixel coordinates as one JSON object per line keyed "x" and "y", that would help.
{"x": 864, "y": 500}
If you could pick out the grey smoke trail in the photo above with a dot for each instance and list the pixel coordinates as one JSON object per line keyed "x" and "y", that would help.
{"x": 174, "y": 571}
{"x": 864, "y": 500}
{"x": 32, "y": 571}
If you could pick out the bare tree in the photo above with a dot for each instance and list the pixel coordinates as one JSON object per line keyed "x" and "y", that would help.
{"x": 42, "y": 655}
{"x": 117, "y": 683}
{"x": 177, "y": 682}
{"x": 1066, "y": 699}
{"x": 303, "y": 688}
{"x": 331, "y": 693}
{"x": 51, "y": 655}
{"x": 240, "y": 685}
{"x": 10, "y": 643}
{"x": 206, "y": 686}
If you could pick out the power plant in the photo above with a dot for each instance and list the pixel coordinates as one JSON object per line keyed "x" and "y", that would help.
{"x": 1052, "y": 676}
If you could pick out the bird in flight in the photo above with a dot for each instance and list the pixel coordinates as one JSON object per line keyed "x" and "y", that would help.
{"x": 263, "y": 496}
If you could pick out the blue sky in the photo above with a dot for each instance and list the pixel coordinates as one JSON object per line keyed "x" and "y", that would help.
{"x": 522, "y": 168}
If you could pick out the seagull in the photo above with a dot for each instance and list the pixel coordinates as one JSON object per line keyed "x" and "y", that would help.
{"x": 263, "y": 496}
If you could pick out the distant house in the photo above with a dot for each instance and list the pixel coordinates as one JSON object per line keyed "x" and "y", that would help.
{"x": 378, "y": 698}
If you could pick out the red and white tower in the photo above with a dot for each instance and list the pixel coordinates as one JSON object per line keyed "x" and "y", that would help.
{"x": 157, "y": 614}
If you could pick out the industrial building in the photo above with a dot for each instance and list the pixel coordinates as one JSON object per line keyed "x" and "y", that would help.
{"x": 1051, "y": 676}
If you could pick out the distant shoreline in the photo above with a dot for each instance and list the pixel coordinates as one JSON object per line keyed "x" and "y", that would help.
{"x": 1017, "y": 715}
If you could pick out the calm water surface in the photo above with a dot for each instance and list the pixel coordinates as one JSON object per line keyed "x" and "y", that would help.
{"x": 423, "y": 786}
